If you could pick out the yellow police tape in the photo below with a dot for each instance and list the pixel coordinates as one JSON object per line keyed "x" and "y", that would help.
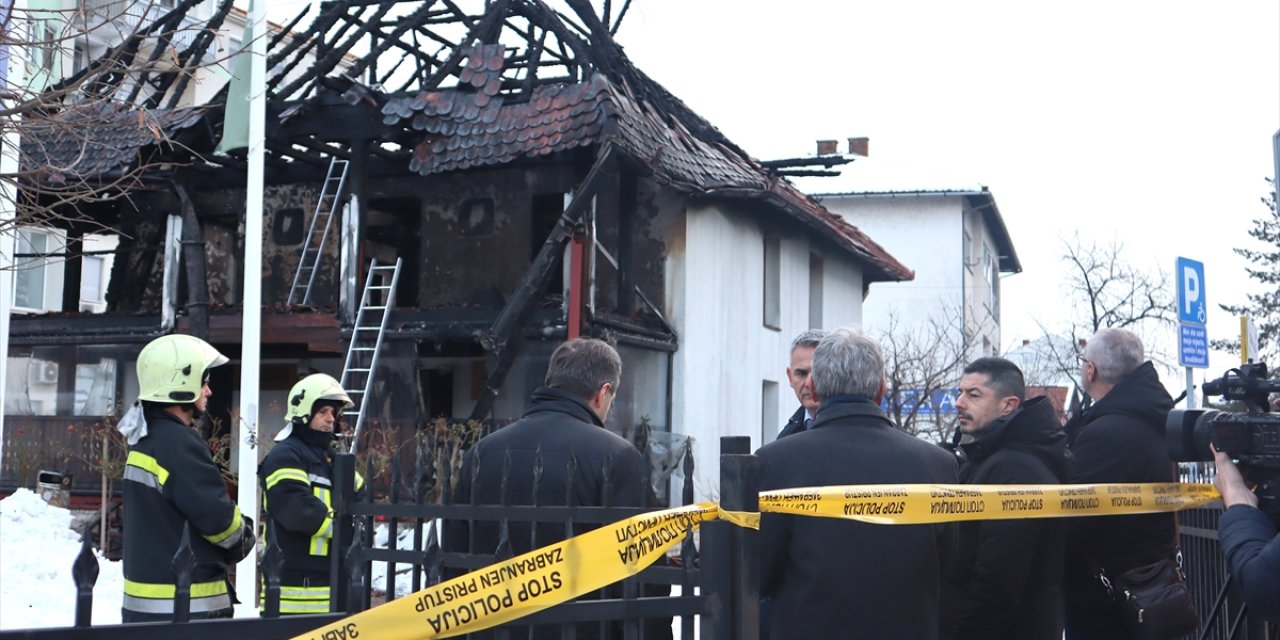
{"x": 505, "y": 591}
{"x": 556, "y": 573}
{"x": 928, "y": 503}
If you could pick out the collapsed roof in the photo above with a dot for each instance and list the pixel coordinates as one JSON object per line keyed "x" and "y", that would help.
{"x": 438, "y": 89}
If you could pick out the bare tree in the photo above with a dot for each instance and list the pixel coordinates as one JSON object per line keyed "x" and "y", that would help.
{"x": 922, "y": 366}
{"x": 93, "y": 94}
{"x": 1104, "y": 290}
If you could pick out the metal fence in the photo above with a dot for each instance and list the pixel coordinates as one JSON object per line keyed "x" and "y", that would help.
{"x": 715, "y": 572}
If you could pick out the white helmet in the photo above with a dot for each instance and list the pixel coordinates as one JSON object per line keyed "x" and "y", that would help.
{"x": 303, "y": 396}
{"x": 171, "y": 369}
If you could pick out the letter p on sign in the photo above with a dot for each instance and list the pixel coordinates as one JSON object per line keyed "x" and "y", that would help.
{"x": 1191, "y": 299}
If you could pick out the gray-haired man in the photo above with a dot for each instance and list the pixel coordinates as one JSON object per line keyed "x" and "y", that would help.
{"x": 827, "y": 576}
{"x": 798, "y": 373}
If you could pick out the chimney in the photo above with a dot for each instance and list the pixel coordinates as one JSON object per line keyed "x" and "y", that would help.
{"x": 858, "y": 146}
{"x": 1025, "y": 342}
{"x": 828, "y": 147}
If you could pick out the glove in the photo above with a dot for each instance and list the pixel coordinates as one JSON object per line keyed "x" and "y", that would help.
{"x": 248, "y": 542}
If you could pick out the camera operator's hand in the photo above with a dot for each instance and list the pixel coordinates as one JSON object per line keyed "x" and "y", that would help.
{"x": 1230, "y": 483}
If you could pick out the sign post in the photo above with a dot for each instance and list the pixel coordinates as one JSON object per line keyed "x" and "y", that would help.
{"x": 1193, "y": 338}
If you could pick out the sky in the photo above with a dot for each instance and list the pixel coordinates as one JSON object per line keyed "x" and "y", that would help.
{"x": 1143, "y": 122}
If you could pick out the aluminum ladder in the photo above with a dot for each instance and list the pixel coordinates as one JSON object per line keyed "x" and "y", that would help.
{"x": 318, "y": 233}
{"x": 366, "y": 340}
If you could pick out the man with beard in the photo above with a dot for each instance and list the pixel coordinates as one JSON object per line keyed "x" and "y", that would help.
{"x": 171, "y": 482}
{"x": 297, "y": 479}
{"x": 1006, "y": 581}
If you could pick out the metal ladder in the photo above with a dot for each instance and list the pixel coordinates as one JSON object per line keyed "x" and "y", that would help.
{"x": 366, "y": 339}
{"x": 318, "y": 233}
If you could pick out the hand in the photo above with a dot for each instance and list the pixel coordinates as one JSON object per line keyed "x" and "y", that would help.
{"x": 1230, "y": 483}
{"x": 248, "y": 542}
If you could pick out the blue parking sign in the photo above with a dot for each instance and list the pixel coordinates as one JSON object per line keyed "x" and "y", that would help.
{"x": 1192, "y": 304}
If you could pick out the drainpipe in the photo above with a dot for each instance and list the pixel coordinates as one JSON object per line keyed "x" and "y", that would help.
{"x": 194, "y": 258}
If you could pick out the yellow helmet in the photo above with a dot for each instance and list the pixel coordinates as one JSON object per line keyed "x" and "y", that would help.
{"x": 171, "y": 369}
{"x": 303, "y": 396}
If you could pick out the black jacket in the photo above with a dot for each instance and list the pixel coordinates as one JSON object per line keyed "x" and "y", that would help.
{"x": 795, "y": 424}
{"x": 1120, "y": 438}
{"x": 1006, "y": 581}
{"x": 170, "y": 481}
{"x": 834, "y": 578}
{"x": 1252, "y": 547}
{"x": 583, "y": 464}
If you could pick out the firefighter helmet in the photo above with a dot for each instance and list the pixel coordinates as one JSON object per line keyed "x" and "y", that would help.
{"x": 172, "y": 368}
{"x": 317, "y": 387}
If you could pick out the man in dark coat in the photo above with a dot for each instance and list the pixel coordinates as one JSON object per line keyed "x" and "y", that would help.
{"x": 1006, "y": 581}
{"x": 798, "y": 372}
{"x": 582, "y": 464}
{"x": 834, "y": 578}
{"x": 1119, "y": 439}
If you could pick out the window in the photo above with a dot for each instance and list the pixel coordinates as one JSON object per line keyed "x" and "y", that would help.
{"x": 769, "y": 426}
{"x": 95, "y": 393}
{"x": 91, "y": 282}
{"x": 772, "y": 282}
{"x": 28, "y": 280}
{"x": 815, "y": 291}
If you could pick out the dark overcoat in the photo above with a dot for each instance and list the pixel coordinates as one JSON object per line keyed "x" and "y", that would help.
{"x": 834, "y": 578}
{"x": 1006, "y": 581}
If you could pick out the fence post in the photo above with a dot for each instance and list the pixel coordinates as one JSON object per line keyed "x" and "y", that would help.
{"x": 84, "y": 572}
{"x": 344, "y": 482}
{"x": 720, "y": 620}
{"x": 739, "y": 491}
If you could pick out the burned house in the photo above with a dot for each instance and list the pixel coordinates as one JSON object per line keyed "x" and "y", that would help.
{"x": 490, "y": 182}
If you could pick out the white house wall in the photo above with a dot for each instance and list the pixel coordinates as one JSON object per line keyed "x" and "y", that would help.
{"x": 730, "y": 370}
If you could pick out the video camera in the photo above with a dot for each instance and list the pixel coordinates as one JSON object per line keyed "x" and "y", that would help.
{"x": 1251, "y": 438}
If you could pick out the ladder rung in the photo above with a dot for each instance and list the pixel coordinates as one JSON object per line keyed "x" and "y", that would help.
{"x": 367, "y": 328}
{"x": 358, "y": 370}
{"x": 374, "y": 308}
{"x": 360, "y": 391}
{"x": 379, "y": 287}
{"x": 363, "y": 349}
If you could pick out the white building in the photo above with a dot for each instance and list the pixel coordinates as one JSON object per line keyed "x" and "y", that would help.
{"x": 948, "y": 231}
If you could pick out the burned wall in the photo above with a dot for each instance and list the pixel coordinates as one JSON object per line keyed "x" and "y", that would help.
{"x": 477, "y": 231}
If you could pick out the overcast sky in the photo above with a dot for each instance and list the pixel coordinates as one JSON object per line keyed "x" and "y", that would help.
{"x": 1147, "y": 122}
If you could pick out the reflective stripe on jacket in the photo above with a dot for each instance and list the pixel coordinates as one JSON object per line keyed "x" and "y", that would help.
{"x": 171, "y": 483}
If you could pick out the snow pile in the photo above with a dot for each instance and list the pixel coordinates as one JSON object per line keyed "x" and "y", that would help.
{"x": 404, "y": 540}
{"x": 37, "y": 549}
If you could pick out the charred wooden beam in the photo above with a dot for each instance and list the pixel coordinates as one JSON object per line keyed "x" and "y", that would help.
{"x": 313, "y": 39}
{"x": 501, "y": 340}
{"x": 199, "y": 45}
{"x": 332, "y": 58}
{"x": 819, "y": 161}
{"x": 389, "y": 40}
{"x": 483, "y": 31}
{"x": 806, "y": 172}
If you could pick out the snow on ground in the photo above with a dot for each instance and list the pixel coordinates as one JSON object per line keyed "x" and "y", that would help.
{"x": 37, "y": 548}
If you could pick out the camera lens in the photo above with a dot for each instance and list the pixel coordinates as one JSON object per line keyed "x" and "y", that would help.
{"x": 1188, "y": 434}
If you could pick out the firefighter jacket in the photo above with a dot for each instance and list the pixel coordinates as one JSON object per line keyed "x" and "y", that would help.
{"x": 170, "y": 483}
{"x": 297, "y": 478}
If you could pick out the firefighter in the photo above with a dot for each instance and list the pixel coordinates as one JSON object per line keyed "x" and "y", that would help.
{"x": 296, "y": 477}
{"x": 171, "y": 484}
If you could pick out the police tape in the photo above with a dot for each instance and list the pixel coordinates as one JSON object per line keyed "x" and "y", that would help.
{"x": 525, "y": 584}
{"x": 930, "y": 503}
{"x": 511, "y": 589}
